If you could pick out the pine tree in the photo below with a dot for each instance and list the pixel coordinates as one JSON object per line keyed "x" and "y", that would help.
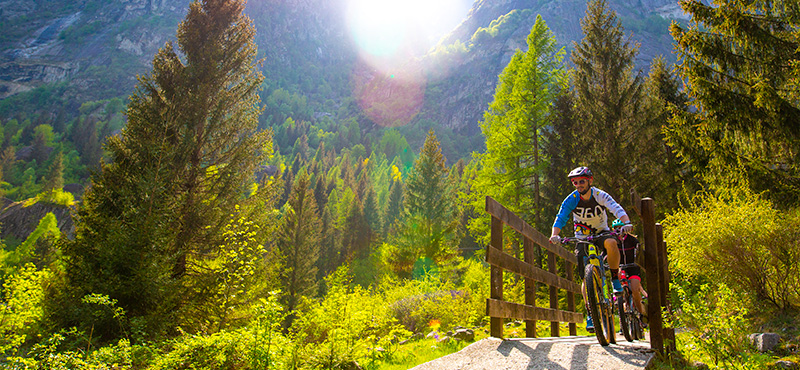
{"x": 185, "y": 159}
{"x": 298, "y": 242}
{"x": 668, "y": 173}
{"x": 608, "y": 100}
{"x": 429, "y": 226}
{"x": 394, "y": 205}
{"x": 511, "y": 168}
{"x": 55, "y": 174}
{"x": 741, "y": 67}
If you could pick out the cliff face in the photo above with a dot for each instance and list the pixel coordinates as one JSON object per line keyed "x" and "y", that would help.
{"x": 51, "y": 41}
{"x": 98, "y": 47}
{"x": 466, "y": 88}
{"x": 19, "y": 221}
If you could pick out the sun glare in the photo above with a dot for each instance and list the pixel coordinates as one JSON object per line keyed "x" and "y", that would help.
{"x": 384, "y": 27}
{"x": 389, "y": 82}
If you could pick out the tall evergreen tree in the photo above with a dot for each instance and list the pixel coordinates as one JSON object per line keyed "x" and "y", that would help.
{"x": 608, "y": 99}
{"x": 429, "y": 226}
{"x": 510, "y": 170}
{"x": 561, "y": 149}
{"x": 356, "y": 234}
{"x": 185, "y": 159}
{"x": 740, "y": 63}
{"x": 394, "y": 205}
{"x": 665, "y": 99}
{"x": 298, "y": 242}
{"x": 55, "y": 174}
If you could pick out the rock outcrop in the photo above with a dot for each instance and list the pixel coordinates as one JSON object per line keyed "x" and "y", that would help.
{"x": 19, "y": 221}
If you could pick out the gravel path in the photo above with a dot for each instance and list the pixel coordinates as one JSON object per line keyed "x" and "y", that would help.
{"x": 561, "y": 353}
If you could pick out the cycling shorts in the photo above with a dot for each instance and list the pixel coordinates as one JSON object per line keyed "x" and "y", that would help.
{"x": 633, "y": 272}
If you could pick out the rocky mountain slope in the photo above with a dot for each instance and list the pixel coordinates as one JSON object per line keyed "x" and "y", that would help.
{"x": 94, "y": 49}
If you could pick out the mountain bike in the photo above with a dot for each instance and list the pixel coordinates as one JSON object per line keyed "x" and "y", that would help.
{"x": 629, "y": 318}
{"x": 598, "y": 300}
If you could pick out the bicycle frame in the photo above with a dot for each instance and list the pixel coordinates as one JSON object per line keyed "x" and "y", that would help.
{"x": 598, "y": 300}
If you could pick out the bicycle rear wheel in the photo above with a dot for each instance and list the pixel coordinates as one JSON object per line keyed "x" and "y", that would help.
{"x": 595, "y": 303}
{"x": 636, "y": 329}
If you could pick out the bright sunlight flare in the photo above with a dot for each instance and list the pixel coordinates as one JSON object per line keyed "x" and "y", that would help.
{"x": 385, "y": 27}
{"x": 391, "y": 34}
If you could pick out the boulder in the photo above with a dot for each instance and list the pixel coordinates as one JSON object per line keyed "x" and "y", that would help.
{"x": 786, "y": 364}
{"x": 765, "y": 342}
{"x": 465, "y": 335}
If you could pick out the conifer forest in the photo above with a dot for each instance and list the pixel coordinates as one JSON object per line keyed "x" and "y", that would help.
{"x": 216, "y": 217}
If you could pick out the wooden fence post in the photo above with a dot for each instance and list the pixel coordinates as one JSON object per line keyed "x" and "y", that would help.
{"x": 652, "y": 263}
{"x": 530, "y": 287}
{"x": 669, "y": 332}
{"x": 569, "y": 266}
{"x": 551, "y": 267}
{"x": 496, "y": 277}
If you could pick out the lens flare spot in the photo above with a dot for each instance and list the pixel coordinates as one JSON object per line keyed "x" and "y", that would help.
{"x": 389, "y": 100}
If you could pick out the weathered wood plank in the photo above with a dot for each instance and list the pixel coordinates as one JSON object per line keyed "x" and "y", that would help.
{"x": 530, "y": 287}
{"x": 509, "y": 310}
{"x": 496, "y": 276}
{"x": 573, "y": 329}
{"x": 653, "y": 279}
{"x": 552, "y": 269}
{"x": 515, "y": 222}
{"x": 506, "y": 261}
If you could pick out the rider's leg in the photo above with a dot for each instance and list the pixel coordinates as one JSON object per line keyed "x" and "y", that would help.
{"x": 636, "y": 289}
{"x": 612, "y": 253}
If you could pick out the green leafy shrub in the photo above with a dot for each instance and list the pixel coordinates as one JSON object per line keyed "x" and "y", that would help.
{"x": 347, "y": 325}
{"x": 417, "y": 303}
{"x": 22, "y": 313}
{"x": 740, "y": 239}
{"x": 718, "y": 326}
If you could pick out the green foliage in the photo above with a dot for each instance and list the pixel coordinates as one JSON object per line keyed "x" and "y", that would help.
{"x": 500, "y": 27}
{"x": 738, "y": 238}
{"x": 298, "y": 245}
{"x": 57, "y": 197}
{"x": 511, "y": 167}
{"x": 428, "y": 226}
{"x": 609, "y": 104}
{"x": 348, "y": 324}
{"x": 48, "y": 226}
{"x": 186, "y": 158}
{"x": 22, "y": 314}
{"x": 718, "y": 327}
{"x": 229, "y": 279}
{"x": 740, "y": 65}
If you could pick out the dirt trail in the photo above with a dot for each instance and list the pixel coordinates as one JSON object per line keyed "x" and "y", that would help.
{"x": 560, "y": 353}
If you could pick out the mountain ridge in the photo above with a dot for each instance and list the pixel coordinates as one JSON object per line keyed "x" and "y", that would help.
{"x": 96, "y": 49}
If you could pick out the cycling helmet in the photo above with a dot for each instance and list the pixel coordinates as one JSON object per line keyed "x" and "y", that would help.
{"x": 617, "y": 223}
{"x": 580, "y": 172}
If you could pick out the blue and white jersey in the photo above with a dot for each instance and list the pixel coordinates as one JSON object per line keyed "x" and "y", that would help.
{"x": 589, "y": 216}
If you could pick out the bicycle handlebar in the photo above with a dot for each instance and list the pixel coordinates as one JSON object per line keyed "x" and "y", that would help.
{"x": 589, "y": 238}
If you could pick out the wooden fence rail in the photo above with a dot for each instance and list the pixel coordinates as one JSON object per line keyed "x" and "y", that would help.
{"x": 655, "y": 267}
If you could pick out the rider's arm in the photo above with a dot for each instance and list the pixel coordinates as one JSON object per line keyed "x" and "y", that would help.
{"x": 567, "y": 206}
{"x": 605, "y": 200}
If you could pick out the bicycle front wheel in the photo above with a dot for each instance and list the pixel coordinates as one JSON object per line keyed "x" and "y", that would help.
{"x": 595, "y": 302}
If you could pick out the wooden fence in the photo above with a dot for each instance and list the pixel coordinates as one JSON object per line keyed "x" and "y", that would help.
{"x": 655, "y": 266}
{"x": 496, "y": 308}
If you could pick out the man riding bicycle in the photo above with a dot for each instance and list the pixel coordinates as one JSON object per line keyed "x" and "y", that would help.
{"x": 588, "y": 206}
{"x": 627, "y": 251}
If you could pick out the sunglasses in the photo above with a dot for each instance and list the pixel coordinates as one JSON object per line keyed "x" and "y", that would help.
{"x": 579, "y": 182}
